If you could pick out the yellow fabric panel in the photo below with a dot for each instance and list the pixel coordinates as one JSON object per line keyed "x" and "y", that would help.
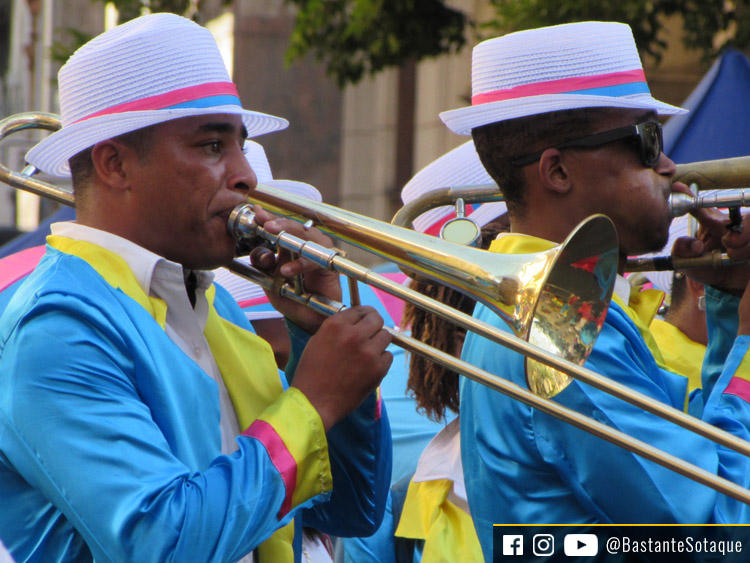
{"x": 520, "y": 244}
{"x": 448, "y": 531}
{"x": 681, "y": 354}
{"x": 646, "y": 303}
{"x": 114, "y": 270}
{"x": 245, "y": 361}
{"x": 279, "y": 546}
{"x": 743, "y": 370}
{"x": 248, "y": 368}
{"x": 643, "y": 329}
{"x": 290, "y": 412}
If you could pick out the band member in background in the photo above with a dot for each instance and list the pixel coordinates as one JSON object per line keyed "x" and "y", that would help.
{"x": 426, "y": 515}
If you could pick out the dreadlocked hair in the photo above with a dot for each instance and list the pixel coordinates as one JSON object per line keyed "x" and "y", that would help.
{"x": 435, "y": 388}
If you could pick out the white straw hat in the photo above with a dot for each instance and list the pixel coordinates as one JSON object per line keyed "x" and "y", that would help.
{"x": 577, "y": 65}
{"x": 256, "y": 156}
{"x": 458, "y": 167}
{"x": 152, "y": 69}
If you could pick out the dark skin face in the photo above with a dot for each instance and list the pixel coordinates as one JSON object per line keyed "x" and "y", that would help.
{"x": 176, "y": 201}
{"x": 568, "y": 185}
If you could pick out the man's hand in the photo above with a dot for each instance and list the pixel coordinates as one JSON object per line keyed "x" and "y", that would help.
{"x": 316, "y": 279}
{"x": 713, "y": 234}
{"x": 343, "y": 362}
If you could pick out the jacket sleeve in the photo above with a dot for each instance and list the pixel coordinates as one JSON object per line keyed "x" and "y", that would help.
{"x": 359, "y": 449}
{"x": 81, "y": 424}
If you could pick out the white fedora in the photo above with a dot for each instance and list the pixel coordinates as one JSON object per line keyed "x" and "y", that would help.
{"x": 577, "y": 65}
{"x": 152, "y": 69}
{"x": 256, "y": 156}
{"x": 458, "y": 167}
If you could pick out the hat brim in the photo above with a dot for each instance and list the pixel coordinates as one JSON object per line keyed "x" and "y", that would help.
{"x": 51, "y": 155}
{"x": 463, "y": 120}
{"x": 293, "y": 187}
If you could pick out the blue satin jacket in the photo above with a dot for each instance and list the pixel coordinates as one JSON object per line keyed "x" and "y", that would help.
{"x": 110, "y": 441}
{"x": 525, "y": 467}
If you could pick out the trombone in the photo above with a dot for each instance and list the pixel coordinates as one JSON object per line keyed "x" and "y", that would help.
{"x": 736, "y": 174}
{"x": 528, "y": 291}
{"x": 709, "y": 175}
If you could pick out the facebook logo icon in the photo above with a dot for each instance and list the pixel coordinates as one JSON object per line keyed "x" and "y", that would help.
{"x": 512, "y": 545}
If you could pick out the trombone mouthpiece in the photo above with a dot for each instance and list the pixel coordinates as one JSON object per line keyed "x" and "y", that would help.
{"x": 241, "y": 226}
{"x": 680, "y": 204}
{"x": 241, "y": 223}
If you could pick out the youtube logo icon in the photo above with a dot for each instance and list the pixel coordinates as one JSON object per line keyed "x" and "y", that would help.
{"x": 581, "y": 545}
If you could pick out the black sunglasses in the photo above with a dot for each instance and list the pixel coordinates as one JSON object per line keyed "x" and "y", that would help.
{"x": 648, "y": 134}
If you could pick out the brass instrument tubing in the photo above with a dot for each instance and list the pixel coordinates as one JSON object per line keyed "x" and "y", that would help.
{"x": 514, "y": 343}
{"x": 714, "y": 259}
{"x": 680, "y": 204}
{"x": 332, "y": 260}
{"x": 570, "y": 416}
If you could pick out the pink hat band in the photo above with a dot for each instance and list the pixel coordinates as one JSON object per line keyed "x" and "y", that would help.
{"x": 614, "y": 84}
{"x": 200, "y": 96}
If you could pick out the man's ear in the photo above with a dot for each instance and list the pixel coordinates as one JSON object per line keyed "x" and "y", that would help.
{"x": 553, "y": 171}
{"x": 697, "y": 289}
{"x": 107, "y": 158}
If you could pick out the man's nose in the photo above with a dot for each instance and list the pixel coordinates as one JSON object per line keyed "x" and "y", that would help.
{"x": 665, "y": 166}
{"x": 244, "y": 178}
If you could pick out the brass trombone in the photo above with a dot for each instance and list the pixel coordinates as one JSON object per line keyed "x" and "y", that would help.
{"x": 728, "y": 173}
{"x": 736, "y": 174}
{"x": 526, "y": 290}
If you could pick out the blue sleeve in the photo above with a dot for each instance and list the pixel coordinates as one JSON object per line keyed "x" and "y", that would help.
{"x": 378, "y": 548}
{"x": 722, "y": 322}
{"x": 84, "y": 433}
{"x": 359, "y": 449}
{"x": 411, "y": 430}
{"x": 524, "y": 466}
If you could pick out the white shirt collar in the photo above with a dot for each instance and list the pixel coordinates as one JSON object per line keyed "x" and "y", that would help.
{"x": 142, "y": 262}
{"x": 622, "y": 289}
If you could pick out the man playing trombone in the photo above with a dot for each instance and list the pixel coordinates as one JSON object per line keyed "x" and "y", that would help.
{"x": 563, "y": 121}
{"x": 140, "y": 418}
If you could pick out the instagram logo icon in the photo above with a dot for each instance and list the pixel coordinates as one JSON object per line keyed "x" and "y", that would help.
{"x": 543, "y": 545}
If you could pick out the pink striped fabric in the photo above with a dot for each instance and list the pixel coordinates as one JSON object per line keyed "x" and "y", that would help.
{"x": 564, "y": 85}
{"x": 18, "y": 265}
{"x": 170, "y": 99}
{"x": 740, "y": 388}
{"x": 280, "y": 456}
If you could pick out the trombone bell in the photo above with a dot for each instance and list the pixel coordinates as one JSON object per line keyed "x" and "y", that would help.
{"x": 555, "y": 299}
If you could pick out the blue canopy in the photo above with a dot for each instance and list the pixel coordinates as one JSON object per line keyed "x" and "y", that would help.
{"x": 718, "y": 124}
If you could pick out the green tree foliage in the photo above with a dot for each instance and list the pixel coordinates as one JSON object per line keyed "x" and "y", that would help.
{"x": 709, "y": 24}
{"x": 359, "y": 37}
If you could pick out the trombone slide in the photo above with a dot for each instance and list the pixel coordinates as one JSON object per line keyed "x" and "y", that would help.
{"x": 590, "y": 248}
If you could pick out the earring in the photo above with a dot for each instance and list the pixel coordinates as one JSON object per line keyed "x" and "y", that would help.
{"x": 702, "y": 303}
